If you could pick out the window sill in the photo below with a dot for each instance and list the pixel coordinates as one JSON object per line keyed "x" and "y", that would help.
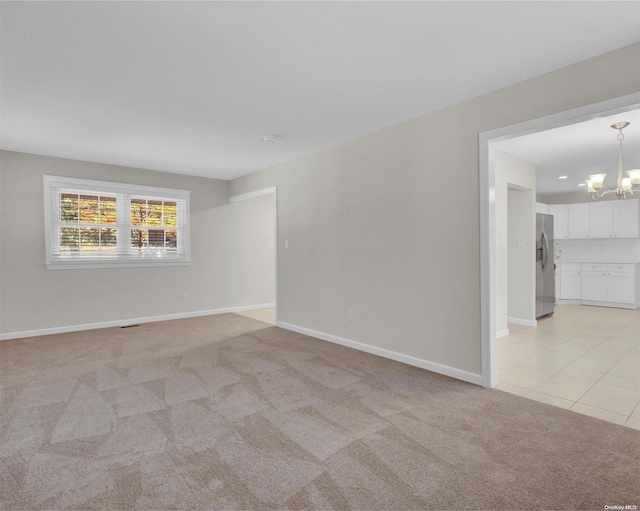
{"x": 121, "y": 263}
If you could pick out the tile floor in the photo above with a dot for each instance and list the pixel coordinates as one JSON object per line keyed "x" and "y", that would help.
{"x": 265, "y": 315}
{"x": 585, "y": 359}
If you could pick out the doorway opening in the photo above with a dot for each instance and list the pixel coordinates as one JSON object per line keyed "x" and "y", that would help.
{"x": 487, "y": 179}
{"x": 262, "y": 252}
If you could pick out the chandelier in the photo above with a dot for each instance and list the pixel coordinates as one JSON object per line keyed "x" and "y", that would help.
{"x": 626, "y": 185}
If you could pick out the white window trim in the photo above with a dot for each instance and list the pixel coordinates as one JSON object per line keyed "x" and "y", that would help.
{"x": 52, "y": 183}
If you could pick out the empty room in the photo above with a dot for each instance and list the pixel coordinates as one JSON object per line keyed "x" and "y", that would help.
{"x": 257, "y": 255}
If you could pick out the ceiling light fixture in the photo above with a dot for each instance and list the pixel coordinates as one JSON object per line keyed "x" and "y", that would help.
{"x": 268, "y": 138}
{"x": 563, "y": 177}
{"x": 627, "y": 185}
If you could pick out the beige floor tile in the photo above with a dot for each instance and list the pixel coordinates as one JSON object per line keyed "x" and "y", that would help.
{"x": 516, "y": 358}
{"x": 619, "y": 343}
{"x": 572, "y": 348}
{"x": 566, "y": 388}
{"x": 611, "y": 391}
{"x": 550, "y": 400}
{"x": 504, "y": 367}
{"x": 595, "y": 352}
{"x": 632, "y": 422}
{"x": 598, "y": 413}
{"x": 594, "y": 364}
{"x": 512, "y": 389}
{"x": 632, "y": 382}
{"x": 547, "y": 363}
{"x": 633, "y": 357}
{"x": 613, "y": 399}
{"x": 580, "y": 374}
{"x": 624, "y": 369}
{"x": 264, "y": 315}
{"x": 527, "y": 377}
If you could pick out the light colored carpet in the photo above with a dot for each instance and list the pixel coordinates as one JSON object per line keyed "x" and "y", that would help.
{"x": 226, "y": 412}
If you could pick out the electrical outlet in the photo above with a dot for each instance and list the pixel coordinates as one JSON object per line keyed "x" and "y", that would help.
{"x": 185, "y": 295}
{"x": 350, "y": 314}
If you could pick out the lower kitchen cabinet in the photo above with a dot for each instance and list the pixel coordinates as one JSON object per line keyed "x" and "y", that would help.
{"x": 621, "y": 286}
{"x": 570, "y": 281}
{"x": 594, "y": 285}
{"x": 603, "y": 284}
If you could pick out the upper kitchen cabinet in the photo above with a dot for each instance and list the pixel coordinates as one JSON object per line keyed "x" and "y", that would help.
{"x": 626, "y": 216}
{"x": 579, "y": 221}
{"x": 614, "y": 219}
{"x": 601, "y": 219}
{"x": 597, "y": 220}
{"x": 560, "y": 214}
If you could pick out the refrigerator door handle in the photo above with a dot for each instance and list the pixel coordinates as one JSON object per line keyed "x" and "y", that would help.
{"x": 545, "y": 251}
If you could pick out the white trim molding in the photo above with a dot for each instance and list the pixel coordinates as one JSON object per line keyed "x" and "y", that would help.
{"x": 502, "y": 333}
{"x": 523, "y": 322}
{"x": 385, "y": 353}
{"x": 130, "y": 321}
{"x": 251, "y": 195}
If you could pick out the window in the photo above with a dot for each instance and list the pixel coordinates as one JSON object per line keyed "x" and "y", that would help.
{"x": 95, "y": 224}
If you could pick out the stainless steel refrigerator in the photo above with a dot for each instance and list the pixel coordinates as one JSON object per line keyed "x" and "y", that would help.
{"x": 545, "y": 267}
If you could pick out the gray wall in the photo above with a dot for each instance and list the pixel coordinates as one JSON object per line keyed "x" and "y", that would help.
{"x": 232, "y": 264}
{"x": 376, "y": 225}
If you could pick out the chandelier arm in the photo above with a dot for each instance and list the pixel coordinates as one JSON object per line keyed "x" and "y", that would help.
{"x": 598, "y": 179}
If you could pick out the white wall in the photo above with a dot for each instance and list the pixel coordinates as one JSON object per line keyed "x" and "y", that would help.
{"x": 511, "y": 274}
{"x": 521, "y": 265}
{"x": 388, "y": 224}
{"x": 231, "y": 266}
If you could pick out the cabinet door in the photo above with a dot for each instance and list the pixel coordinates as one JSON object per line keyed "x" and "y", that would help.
{"x": 560, "y": 219}
{"x": 570, "y": 285}
{"x": 601, "y": 219}
{"x": 594, "y": 286}
{"x": 626, "y": 218}
{"x": 542, "y": 208}
{"x": 621, "y": 287}
{"x": 558, "y": 283}
{"x": 579, "y": 221}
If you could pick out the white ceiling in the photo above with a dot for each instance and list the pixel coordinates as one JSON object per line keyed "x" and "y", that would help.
{"x": 191, "y": 87}
{"x": 575, "y": 151}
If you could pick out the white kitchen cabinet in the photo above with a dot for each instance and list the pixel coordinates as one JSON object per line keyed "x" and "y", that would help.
{"x": 596, "y": 220}
{"x": 570, "y": 281}
{"x": 542, "y": 208}
{"x": 593, "y": 282}
{"x": 621, "y": 283}
{"x": 578, "y": 221}
{"x": 626, "y": 218}
{"x": 621, "y": 288}
{"x": 560, "y": 214}
{"x": 609, "y": 285}
{"x": 601, "y": 219}
{"x": 557, "y": 281}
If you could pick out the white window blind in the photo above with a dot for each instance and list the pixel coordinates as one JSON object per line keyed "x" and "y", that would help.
{"x": 100, "y": 224}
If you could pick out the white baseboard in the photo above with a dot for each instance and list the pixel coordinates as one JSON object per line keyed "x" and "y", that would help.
{"x": 525, "y": 322}
{"x": 129, "y": 321}
{"x": 502, "y": 333}
{"x": 393, "y": 355}
{"x": 568, "y": 302}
